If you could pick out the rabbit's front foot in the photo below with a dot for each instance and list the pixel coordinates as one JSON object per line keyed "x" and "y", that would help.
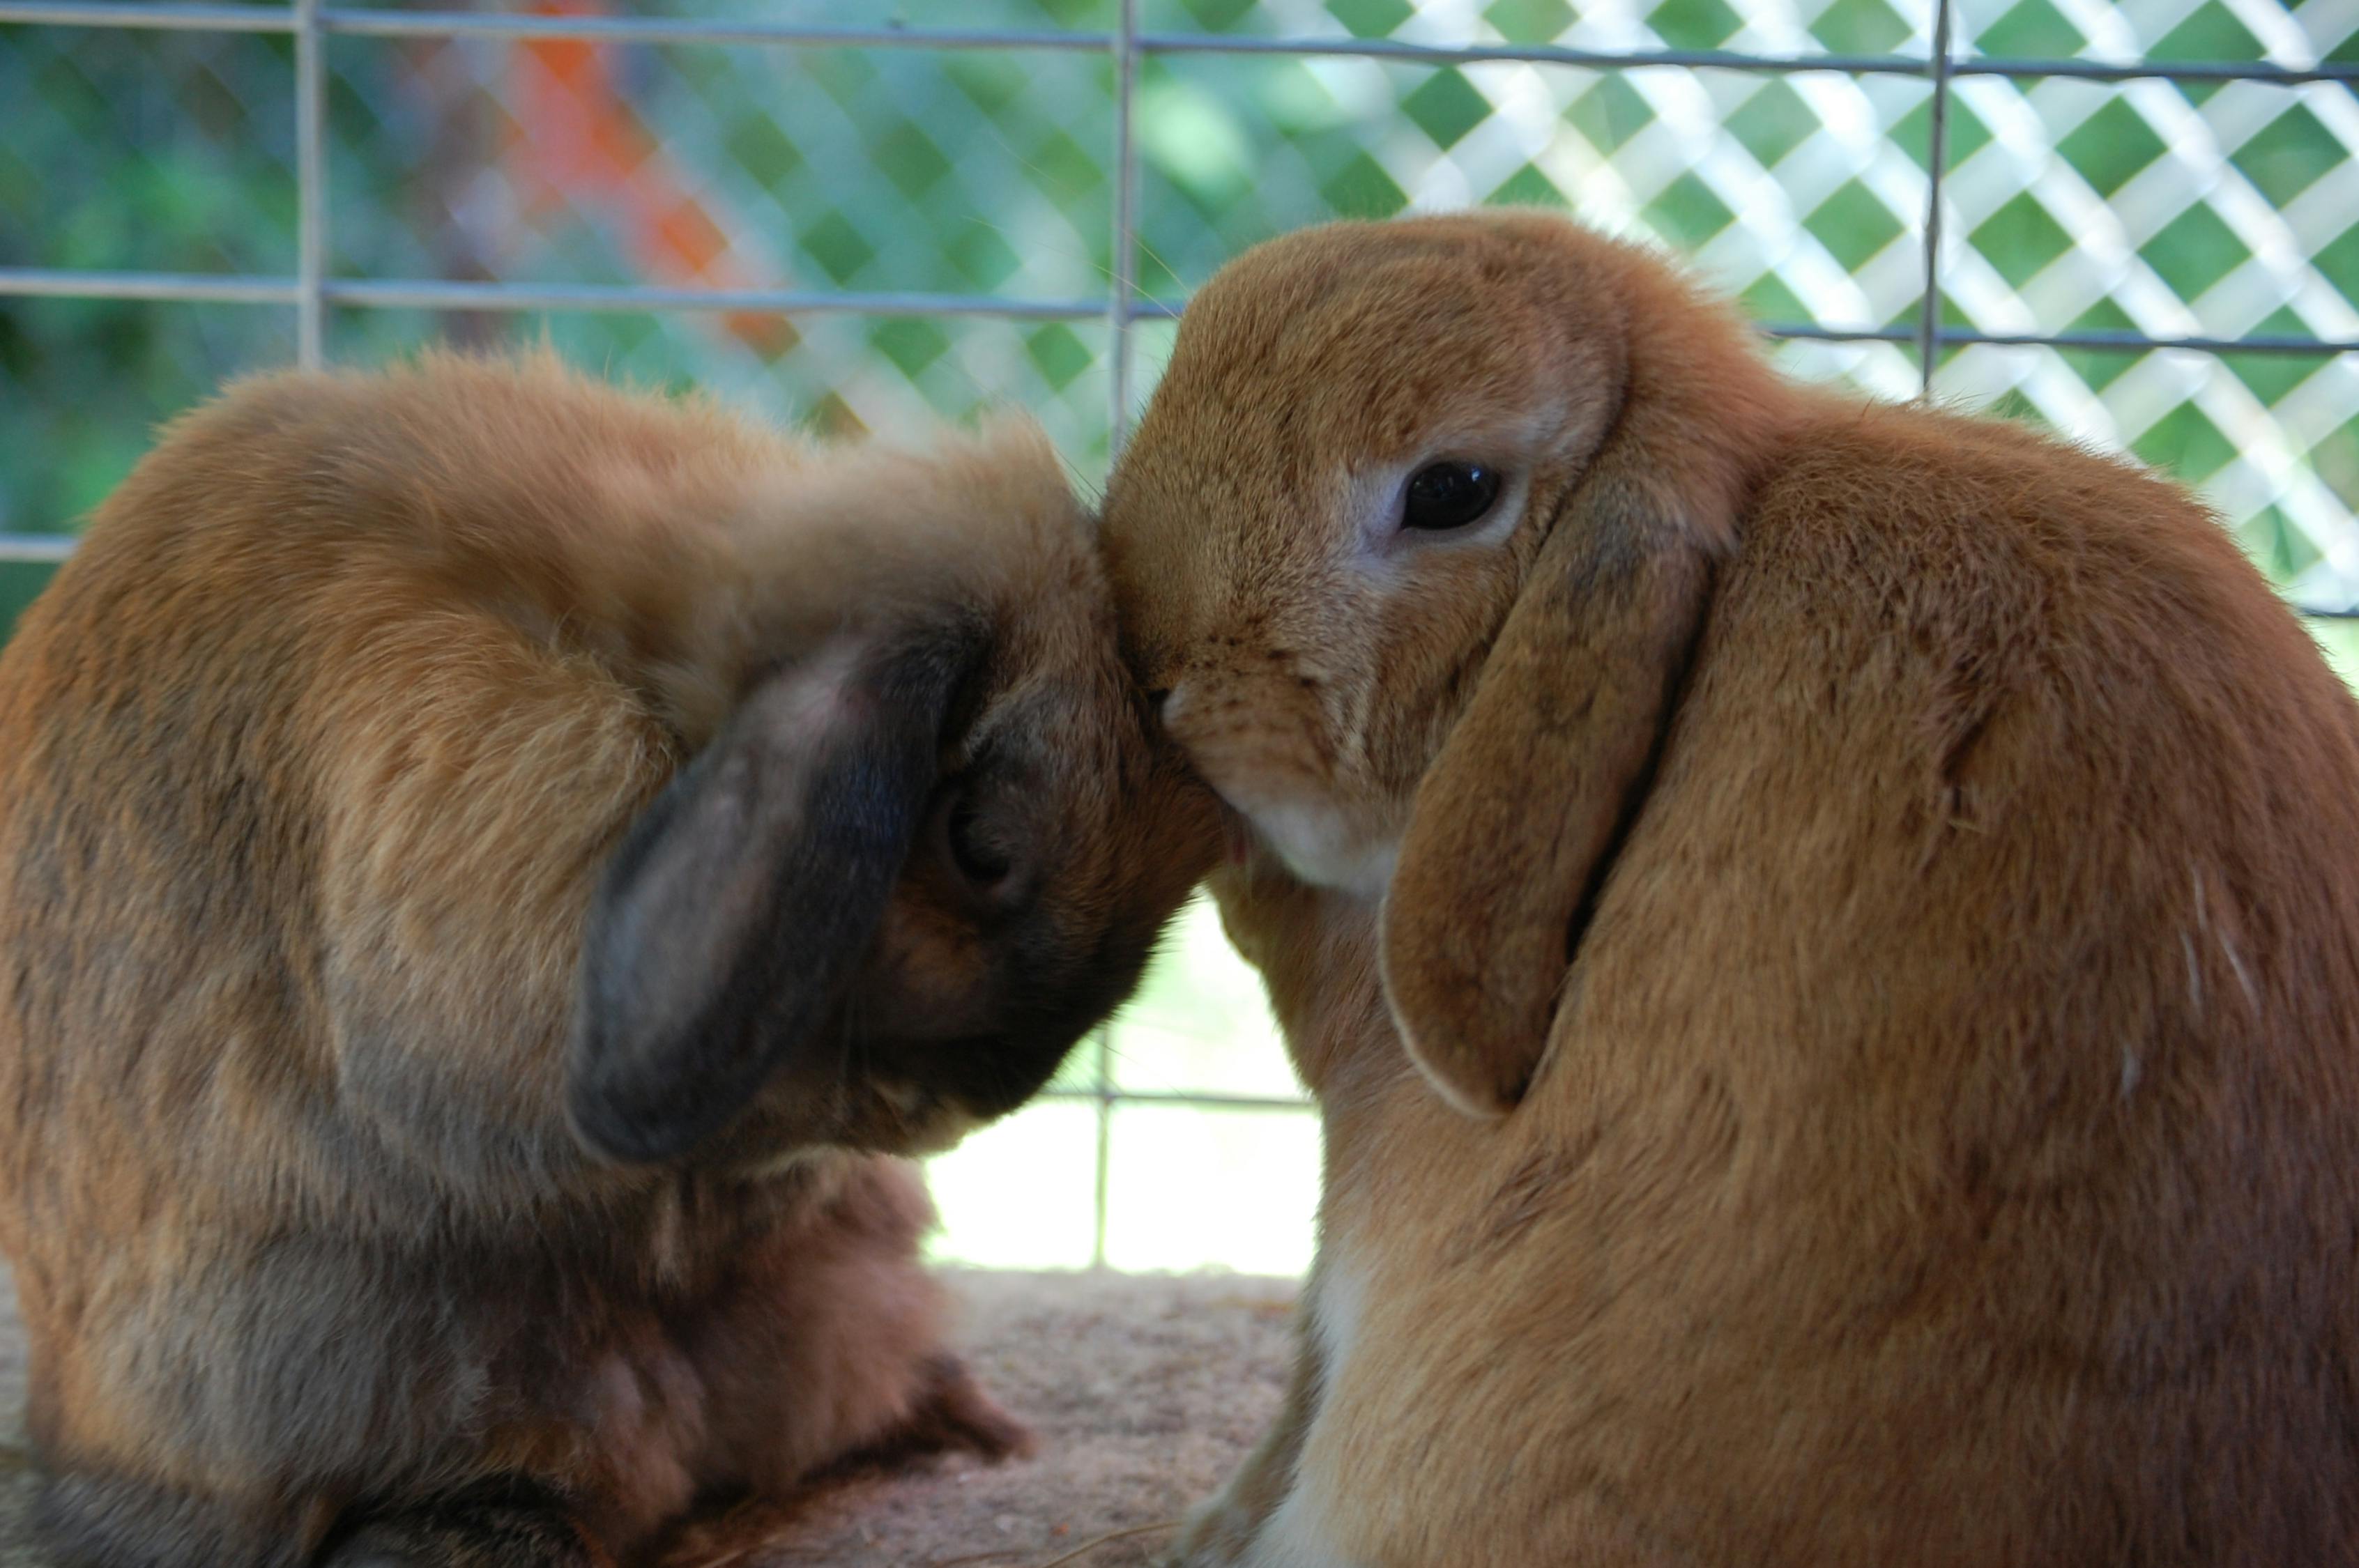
{"x": 956, "y": 1412}
{"x": 1217, "y": 1535}
{"x": 950, "y": 1414}
{"x": 1222, "y": 1532}
{"x": 484, "y": 1528}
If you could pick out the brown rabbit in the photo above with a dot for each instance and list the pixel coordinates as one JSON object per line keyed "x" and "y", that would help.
{"x": 1876, "y": 893}
{"x": 493, "y": 872}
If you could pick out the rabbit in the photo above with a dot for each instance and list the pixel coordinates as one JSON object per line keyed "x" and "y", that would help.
{"x": 1825, "y": 936}
{"x": 498, "y": 874}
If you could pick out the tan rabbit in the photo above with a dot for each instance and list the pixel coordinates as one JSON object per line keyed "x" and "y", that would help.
{"x": 1876, "y": 892}
{"x": 493, "y": 871}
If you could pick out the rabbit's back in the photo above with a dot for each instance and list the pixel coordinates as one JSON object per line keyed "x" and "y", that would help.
{"x": 304, "y": 711}
{"x": 1983, "y": 1194}
{"x": 306, "y": 771}
{"x": 2052, "y": 885}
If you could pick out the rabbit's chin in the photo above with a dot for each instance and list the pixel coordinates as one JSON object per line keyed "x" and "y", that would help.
{"x": 1319, "y": 845}
{"x": 934, "y": 1123}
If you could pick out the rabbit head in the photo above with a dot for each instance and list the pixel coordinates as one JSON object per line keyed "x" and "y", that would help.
{"x": 1413, "y": 542}
{"x": 923, "y": 853}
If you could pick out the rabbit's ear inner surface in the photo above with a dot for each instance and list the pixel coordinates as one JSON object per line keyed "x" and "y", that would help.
{"x": 1516, "y": 825}
{"x": 734, "y": 914}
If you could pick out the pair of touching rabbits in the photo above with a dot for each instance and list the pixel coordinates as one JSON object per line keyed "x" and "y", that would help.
{"x": 1826, "y": 938}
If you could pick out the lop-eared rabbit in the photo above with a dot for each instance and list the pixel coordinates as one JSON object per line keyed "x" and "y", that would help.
{"x": 1826, "y": 935}
{"x": 493, "y": 874}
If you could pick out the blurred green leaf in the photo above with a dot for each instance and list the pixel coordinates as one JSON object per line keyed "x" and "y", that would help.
{"x": 1362, "y": 188}
{"x": 1445, "y": 108}
{"x": 1371, "y": 19}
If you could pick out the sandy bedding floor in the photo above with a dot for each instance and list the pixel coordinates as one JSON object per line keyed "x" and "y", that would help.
{"x": 1144, "y": 1390}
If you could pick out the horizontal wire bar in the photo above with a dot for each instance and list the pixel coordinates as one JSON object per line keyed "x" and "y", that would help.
{"x": 194, "y": 288}
{"x": 2169, "y": 71}
{"x": 1811, "y": 332}
{"x": 667, "y": 30}
{"x": 160, "y": 17}
{"x": 427, "y": 294}
{"x": 2132, "y": 343}
{"x": 648, "y": 30}
{"x": 173, "y": 15}
{"x": 51, "y": 548}
{"x": 1962, "y": 337}
{"x": 1405, "y": 52}
{"x": 1729, "y": 60}
{"x": 21, "y": 548}
{"x": 2136, "y": 343}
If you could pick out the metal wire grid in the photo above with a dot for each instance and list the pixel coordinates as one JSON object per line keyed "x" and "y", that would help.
{"x": 312, "y": 290}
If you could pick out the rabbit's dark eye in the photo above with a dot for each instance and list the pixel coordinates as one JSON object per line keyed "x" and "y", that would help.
{"x": 979, "y": 860}
{"x": 1449, "y": 495}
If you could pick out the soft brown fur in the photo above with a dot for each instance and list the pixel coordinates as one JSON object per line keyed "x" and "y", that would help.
{"x": 1877, "y": 891}
{"x": 310, "y": 762}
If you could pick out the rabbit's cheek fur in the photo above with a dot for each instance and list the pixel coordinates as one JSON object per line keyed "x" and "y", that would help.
{"x": 929, "y": 977}
{"x": 1315, "y": 719}
{"x": 1303, "y": 756}
{"x": 1317, "y": 841}
{"x": 1275, "y": 743}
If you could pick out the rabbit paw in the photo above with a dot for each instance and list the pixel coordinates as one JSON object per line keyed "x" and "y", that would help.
{"x": 953, "y": 1411}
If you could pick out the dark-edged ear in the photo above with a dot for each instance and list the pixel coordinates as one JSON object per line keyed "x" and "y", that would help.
{"x": 739, "y": 905}
{"x": 1516, "y": 824}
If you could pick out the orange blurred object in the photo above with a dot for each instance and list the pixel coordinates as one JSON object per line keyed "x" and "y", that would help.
{"x": 577, "y": 142}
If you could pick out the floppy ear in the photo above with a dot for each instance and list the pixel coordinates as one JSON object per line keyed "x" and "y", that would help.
{"x": 1516, "y": 824}
{"x": 739, "y": 905}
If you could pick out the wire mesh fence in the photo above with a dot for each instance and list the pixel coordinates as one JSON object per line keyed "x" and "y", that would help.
{"x": 2138, "y": 222}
